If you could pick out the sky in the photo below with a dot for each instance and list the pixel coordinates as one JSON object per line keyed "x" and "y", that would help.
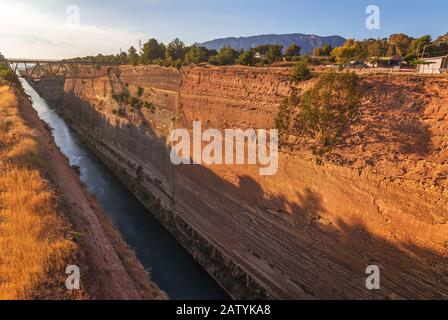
{"x": 70, "y": 28}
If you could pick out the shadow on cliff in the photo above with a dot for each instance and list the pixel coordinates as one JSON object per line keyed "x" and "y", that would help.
{"x": 298, "y": 241}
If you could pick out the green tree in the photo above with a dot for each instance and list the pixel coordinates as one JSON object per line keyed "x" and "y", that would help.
{"x": 327, "y": 108}
{"x": 301, "y": 70}
{"x": 247, "y": 58}
{"x": 226, "y": 56}
{"x": 421, "y": 45}
{"x": 175, "y": 50}
{"x": 292, "y": 51}
{"x": 132, "y": 56}
{"x": 351, "y": 50}
{"x": 274, "y": 53}
{"x": 324, "y": 51}
{"x": 152, "y": 50}
{"x": 197, "y": 54}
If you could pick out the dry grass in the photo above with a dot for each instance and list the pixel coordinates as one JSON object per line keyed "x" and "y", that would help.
{"x": 35, "y": 244}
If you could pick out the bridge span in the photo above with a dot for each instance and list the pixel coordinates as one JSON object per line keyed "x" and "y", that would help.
{"x": 38, "y": 69}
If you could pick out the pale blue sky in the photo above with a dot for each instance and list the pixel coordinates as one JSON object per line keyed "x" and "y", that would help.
{"x": 37, "y": 28}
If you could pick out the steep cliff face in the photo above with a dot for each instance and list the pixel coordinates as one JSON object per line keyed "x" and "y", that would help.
{"x": 309, "y": 231}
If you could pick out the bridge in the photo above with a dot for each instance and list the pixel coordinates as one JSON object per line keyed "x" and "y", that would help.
{"x": 38, "y": 69}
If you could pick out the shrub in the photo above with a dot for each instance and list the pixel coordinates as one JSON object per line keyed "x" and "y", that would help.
{"x": 151, "y": 107}
{"x": 213, "y": 60}
{"x": 122, "y": 112}
{"x": 7, "y": 74}
{"x": 327, "y": 108}
{"x": 285, "y": 115}
{"x": 135, "y": 103}
{"x": 122, "y": 97}
{"x": 301, "y": 71}
{"x": 140, "y": 91}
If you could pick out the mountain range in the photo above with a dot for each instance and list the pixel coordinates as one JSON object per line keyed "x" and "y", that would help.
{"x": 305, "y": 41}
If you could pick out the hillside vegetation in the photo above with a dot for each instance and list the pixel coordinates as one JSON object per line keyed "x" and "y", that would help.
{"x": 35, "y": 242}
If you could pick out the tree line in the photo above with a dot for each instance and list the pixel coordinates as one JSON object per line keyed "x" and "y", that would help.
{"x": 397, "y": 45}
{"x": 177, "y": 54}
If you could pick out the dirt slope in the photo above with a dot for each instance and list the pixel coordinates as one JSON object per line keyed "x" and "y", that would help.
{"x": 109, "y": 269}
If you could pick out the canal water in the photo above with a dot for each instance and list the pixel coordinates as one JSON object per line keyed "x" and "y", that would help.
{"x": 171, "y": 266}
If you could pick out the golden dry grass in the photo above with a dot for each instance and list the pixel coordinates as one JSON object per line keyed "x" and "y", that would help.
{"x": 35, "y": 246}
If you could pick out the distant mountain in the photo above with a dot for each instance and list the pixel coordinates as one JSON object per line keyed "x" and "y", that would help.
{"x": 305, "y": 41}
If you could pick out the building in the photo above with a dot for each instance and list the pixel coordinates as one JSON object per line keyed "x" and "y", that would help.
{"x": 434, "y": 65}
{"x": 385, "y": 62}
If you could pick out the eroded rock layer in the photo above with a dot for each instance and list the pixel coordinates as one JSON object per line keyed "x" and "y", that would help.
{"x": 311, "y": 230}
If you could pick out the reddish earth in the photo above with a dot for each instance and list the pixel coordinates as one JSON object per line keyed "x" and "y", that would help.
{"x": 311, "y": 230}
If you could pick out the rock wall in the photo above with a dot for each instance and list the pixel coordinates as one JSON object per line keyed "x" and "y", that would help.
{"x": 310, "y": 231}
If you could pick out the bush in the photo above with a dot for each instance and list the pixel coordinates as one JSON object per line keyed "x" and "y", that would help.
{"x": 301, "y": 71}
{"x": 327, "y": 108}
{"x": 122, "y": 97}
{"x": 140, "y": 91}
{"x": 151, "y": 107}
{"x": 135, "y": 103}
{"x": 285, "y": 115}
{"x": 122, "y": 112}
{"x": 7, "y": 74}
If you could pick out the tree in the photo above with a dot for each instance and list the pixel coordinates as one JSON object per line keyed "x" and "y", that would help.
{"x": 301, "y": 71}
{"x": 6, "y": 72}
{"x": 421, "y": 45}
{"x": 292, "y": 51}
{"x": 196, "y": 54}
{"x": 401, "y": 42}
{"x": 152, "y": 50}
{"x": 440, "y": 45}
{"x": 324, "y": 51}
{"x": 327, "y": 108}
{"x": 175, "y": 50}
{"x": 247, "y": 58}
{"x": 132, "y": 56}
{"x": 344, "y": 54}
{"x": 274, "y": 53}
{"x": 226, "y": 56}
{"x": 351, "y": 50}
{"x": 376, "y": 47}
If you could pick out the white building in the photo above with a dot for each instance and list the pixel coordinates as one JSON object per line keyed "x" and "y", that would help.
{"x": 434, "y": 65}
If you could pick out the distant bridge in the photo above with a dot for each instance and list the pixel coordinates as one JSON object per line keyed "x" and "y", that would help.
{"x": 38, "y": 69}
